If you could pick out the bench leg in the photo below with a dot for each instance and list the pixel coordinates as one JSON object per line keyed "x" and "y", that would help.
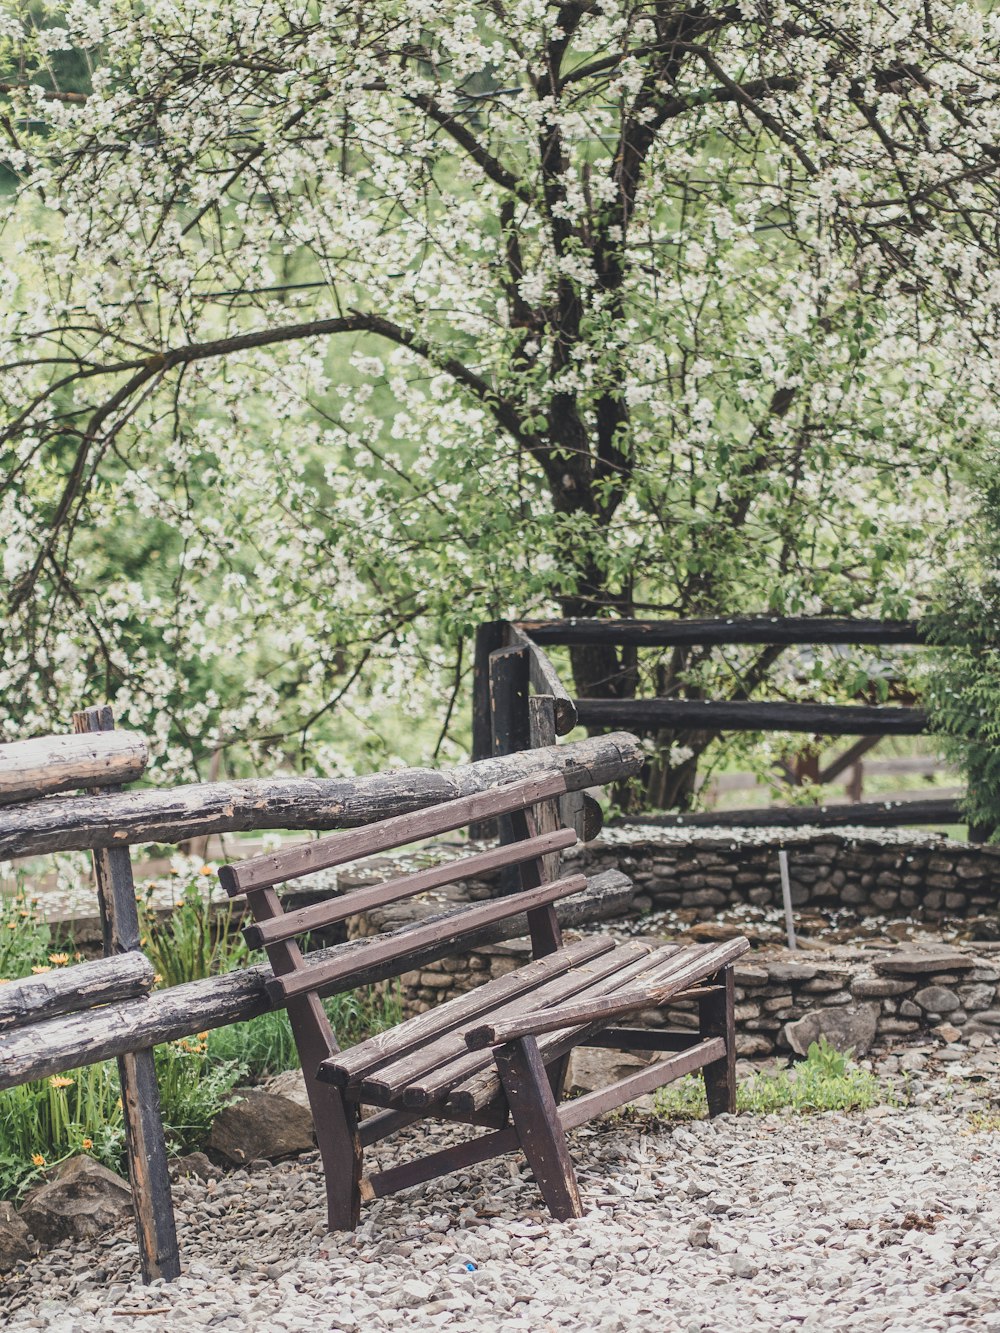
{"x": 715, "y": 1016}
{"x": 334, "y": 1119}
{"x": 536, "y": 1119}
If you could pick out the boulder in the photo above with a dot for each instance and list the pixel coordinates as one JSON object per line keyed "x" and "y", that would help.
{"x": 291, "y": 1084}
{"x": 850, "y": 1028}
{"x": 193, "y": 1164}
{"x": 80, "y": 1199}
{"x": 14, "y": 1243}
{"x": 261, "y": 1125}
{"x": 876, "y": 988}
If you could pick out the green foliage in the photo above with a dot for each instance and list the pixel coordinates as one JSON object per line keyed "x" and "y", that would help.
{"x": 962, "y": 685}
{"x": 196, "y": 939}
{"x": 26, "y": 940}
{"x": 43, "y": 1123}
{"x": 825, "y": 1080}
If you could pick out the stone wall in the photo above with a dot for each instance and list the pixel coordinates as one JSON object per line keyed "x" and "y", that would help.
{"x": 894, "y": 872}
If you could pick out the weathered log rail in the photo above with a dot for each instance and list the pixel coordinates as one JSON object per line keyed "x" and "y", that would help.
{"x": 49, "y": 764}
{"x": 197, "y": 1006}
{"x": 708, "y": 715}
{"x": 177, "y": 814}
{"x": 760, "y": 630}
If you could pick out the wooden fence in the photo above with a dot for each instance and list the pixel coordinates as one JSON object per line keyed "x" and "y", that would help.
{"x": 511, "y": 661}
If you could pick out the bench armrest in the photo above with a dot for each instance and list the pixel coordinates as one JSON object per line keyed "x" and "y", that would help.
{"x": 575, "y": 1015}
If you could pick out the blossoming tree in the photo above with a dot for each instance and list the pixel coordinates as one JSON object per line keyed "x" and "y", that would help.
{"x": 331, "y": 328}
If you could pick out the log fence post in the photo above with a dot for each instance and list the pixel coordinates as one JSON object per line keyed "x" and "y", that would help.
{"x": 145, "y": 1145}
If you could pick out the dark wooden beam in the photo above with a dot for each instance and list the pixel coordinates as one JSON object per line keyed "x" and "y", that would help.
{"x": 698, "y": 715}
{"x": 731, "y": 629}
{"x": 544, "y": 678}
{"x": 874, "y": 814}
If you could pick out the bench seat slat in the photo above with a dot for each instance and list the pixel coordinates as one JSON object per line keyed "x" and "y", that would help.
{"x": 430, "y": 1066}
{"x": 483, "y": 1087}
{"x": 263, "y": 872}
{"x": 331, "y": 910}
{"x": 353, "y": 1064}
{"x": 649, "y": 992}
{"x": 629, "y": 960}
{"x": 450, "y": 926}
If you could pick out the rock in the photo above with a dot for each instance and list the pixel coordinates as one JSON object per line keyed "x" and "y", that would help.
{"x": 788, "y": 973}
{"x": 14, "y": 1243}
{"x": 699, "y": 1233}
{"x": 922, "y": 962}
{"x": 193, "y": 1164}
{"x": 291, "y": 1084}
{"x": 261, "y": 1124}
{"x": 745, "y": 975}
{"x": 80, "y": 1199}
{"x": 748, "y": 1044}
{"x": 415, "y": 1292}
{"x": 937, "y": 1000}
{"x": 976, "y": 996}
{"x": 852, "y": 1027}
{"x": 947, "y": 1032}
{"x": 878, "y": 988}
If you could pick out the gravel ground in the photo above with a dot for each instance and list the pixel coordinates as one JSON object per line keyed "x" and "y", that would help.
{"x": 887, "y": 1220}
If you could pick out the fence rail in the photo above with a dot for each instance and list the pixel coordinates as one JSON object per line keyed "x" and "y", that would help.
{"x": 511, "y": 661}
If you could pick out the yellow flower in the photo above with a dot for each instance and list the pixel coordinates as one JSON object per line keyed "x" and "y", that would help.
{"x": 60, "y": 959}
{"x": 86, "y": 1144}
{"x": 37, "y": 1159}
{"x": 206, "y": 870}
{"x": 4, "y": 981}
{"x": 12, "y": 925}
{"x": 156, "y": 978}
{"x": 61, "y": 1081}
{"x": 41, "y": 967}
{"x": 202, "y": 1036}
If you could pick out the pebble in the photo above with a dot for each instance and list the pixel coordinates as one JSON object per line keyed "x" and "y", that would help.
{"x": 882, "y": 1224}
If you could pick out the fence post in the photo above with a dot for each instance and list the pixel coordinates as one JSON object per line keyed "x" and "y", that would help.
{"x": 489, "y": 637}
{"x": 511, "y": 729}
{"x": 144, "y": 1141}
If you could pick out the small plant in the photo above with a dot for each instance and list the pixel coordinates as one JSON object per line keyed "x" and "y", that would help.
{"x": 196, "y": 939}
{"x": 264, "y": 1046}
{"x": 26, "y": 940}
{"x": 825, "y": 1080}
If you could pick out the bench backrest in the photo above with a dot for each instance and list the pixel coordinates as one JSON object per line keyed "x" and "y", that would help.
{"x": 526, "y": 805}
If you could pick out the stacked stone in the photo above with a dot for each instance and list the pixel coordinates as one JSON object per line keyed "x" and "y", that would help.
{"x": 929, "y": 879}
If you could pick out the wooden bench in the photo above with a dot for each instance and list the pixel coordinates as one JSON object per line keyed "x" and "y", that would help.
{"x": 494, "y": 1057}
{"x": 96, "y": 757}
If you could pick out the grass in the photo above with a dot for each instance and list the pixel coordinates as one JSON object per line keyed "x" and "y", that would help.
{"x": 825, "y": 1080}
